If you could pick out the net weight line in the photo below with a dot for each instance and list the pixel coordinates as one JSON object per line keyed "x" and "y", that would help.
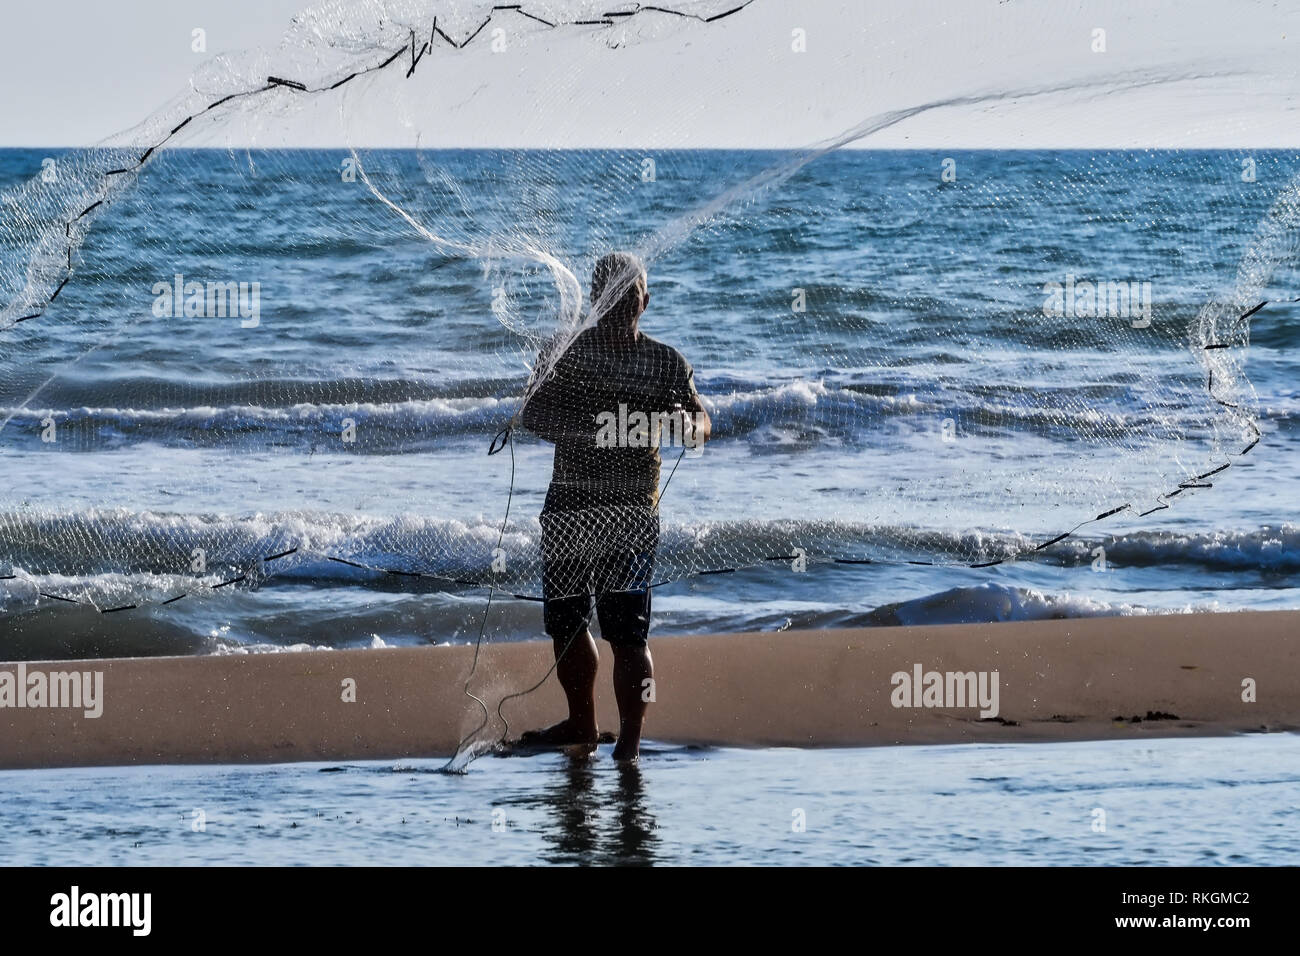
{"x": 611, "y": 18}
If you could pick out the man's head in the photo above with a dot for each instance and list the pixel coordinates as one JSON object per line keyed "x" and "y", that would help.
{"x": 619, "y": 291}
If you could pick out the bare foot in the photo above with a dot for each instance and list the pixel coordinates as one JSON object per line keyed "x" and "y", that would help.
{"x": 563, "y": 734}
{"x": 627, "y": 753}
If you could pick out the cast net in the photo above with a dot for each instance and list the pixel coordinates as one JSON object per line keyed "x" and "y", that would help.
{"x": 269, "y": 335}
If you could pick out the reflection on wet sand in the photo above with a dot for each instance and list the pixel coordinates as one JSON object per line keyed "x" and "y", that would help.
{"x": 598, "y": 817}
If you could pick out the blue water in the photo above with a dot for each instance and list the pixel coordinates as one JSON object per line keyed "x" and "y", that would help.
{"x": 1190, "y": 802}
{"x": 924, "y": 305}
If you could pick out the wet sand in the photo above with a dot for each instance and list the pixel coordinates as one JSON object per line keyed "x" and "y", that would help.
{"x": 1057, "y": 680}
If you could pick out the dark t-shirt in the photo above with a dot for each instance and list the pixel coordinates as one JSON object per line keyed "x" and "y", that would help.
{"x": 603, "y": 407}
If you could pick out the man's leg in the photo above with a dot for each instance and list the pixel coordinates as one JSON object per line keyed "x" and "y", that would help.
{"x": 625, "y": 621}
{"x": 566, "y": 614}
{"x": 576, "y": 663}
{"x": 633, "y": 669}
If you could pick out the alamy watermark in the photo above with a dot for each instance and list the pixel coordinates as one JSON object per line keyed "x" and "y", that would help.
{"x": 637, "y": 429}
{"x": 1083, "y": 299}
{"x": 208, "y": 300}
{"x": 950, "y": 689}
{"x": 75, "y": 908}
{"x": 74, "y": 690}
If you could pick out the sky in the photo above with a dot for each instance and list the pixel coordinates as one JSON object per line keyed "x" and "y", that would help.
{"x": 79, "y": 71}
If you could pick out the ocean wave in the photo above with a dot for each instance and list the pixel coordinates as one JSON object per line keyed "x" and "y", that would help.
{"x": 253, "y": 623}
{"x": 996, "y": 602}
{"x": 816, "y": 408}
{"x": 44, "y": 559}
{"x": 1274, "y": 548}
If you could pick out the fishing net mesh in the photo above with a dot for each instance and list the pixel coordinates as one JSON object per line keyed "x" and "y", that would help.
{"x": 316, "y": 350}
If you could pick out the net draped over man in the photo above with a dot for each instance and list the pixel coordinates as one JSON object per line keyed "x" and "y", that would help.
{"x": 606, "y": 404}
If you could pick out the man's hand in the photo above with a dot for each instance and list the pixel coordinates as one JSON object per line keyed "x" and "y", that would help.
{"x": 695, "y": 426}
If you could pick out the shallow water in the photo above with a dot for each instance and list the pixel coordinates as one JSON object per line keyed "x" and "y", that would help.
{"x": 1219, "y": 801}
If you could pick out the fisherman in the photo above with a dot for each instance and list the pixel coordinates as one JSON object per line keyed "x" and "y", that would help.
{"x": 600, "y": 521}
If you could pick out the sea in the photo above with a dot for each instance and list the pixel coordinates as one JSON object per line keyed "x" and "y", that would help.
{"x": 1210, "y": 802}
{"x": 828, "y": 422}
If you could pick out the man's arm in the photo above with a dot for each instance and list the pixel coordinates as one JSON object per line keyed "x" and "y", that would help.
{"x": 697, "y": 425}
{"x": 541, "y": 412}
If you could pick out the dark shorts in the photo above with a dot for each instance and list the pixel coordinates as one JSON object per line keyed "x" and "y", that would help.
{"x": 608, "y": 553}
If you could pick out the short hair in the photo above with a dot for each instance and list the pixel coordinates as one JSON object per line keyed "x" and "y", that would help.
{"x": 623, "y": 276}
